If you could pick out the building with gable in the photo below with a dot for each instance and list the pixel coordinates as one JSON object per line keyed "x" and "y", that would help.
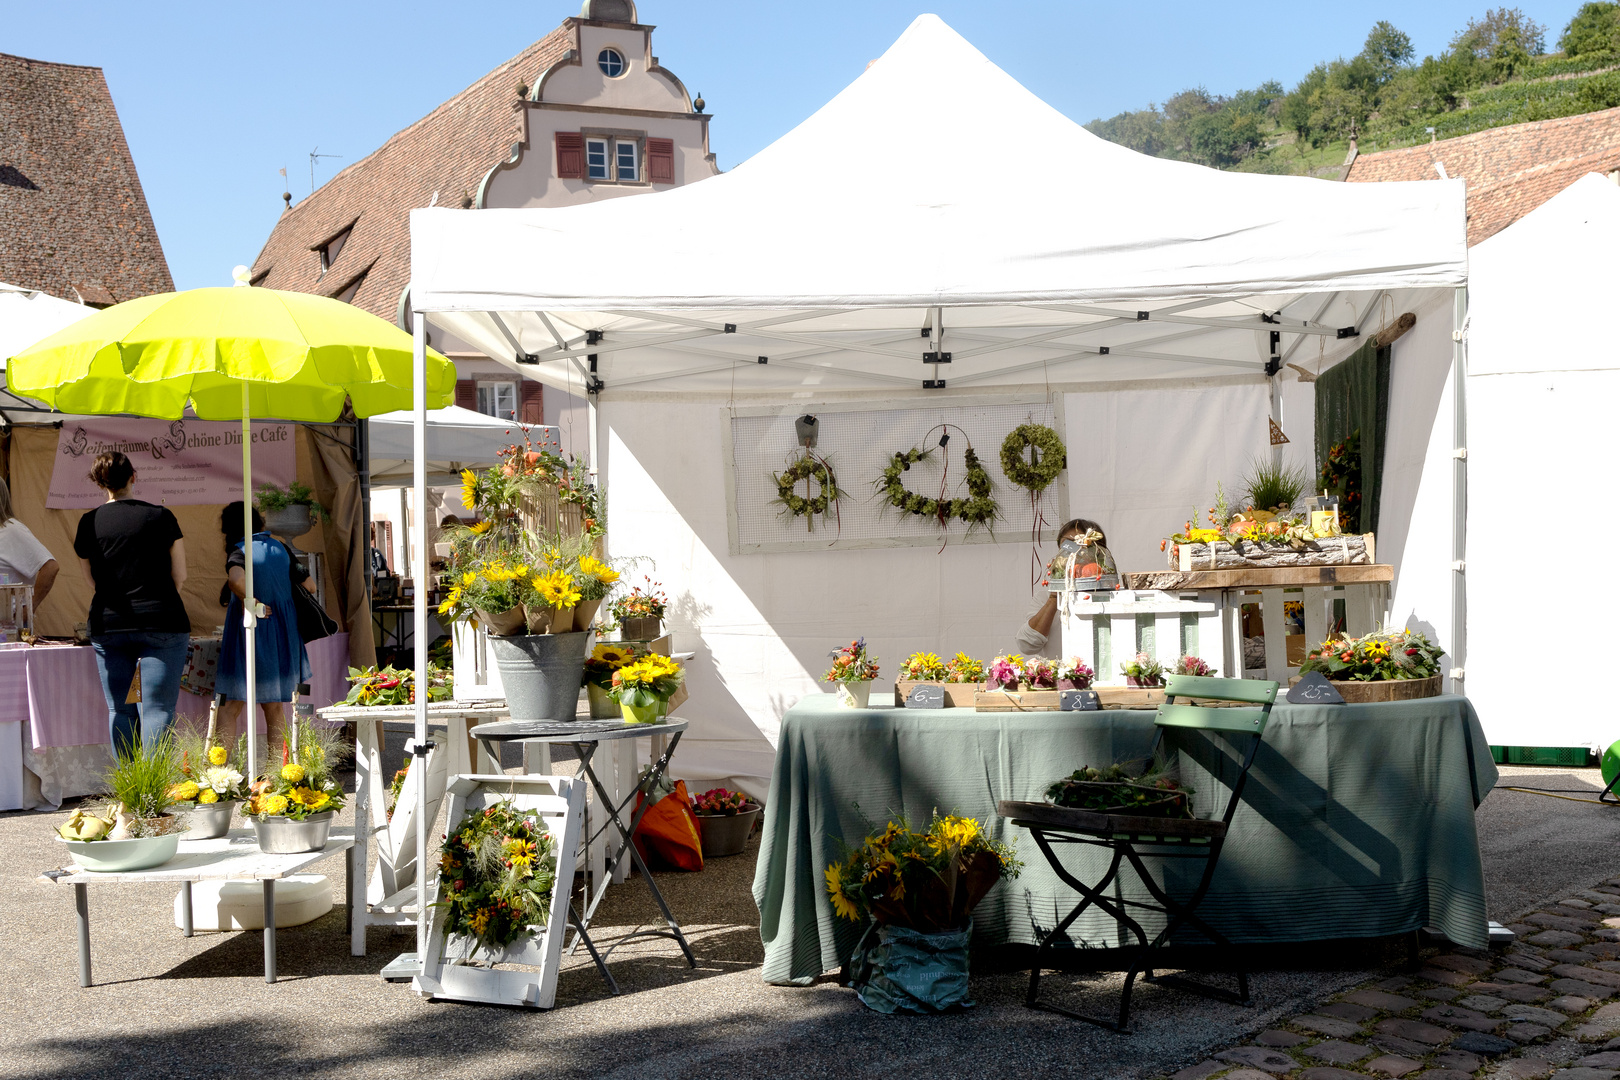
{"x": 585, "y": 113}
{"x": 1510, "y": 170}
{"x": 73, "y": 218}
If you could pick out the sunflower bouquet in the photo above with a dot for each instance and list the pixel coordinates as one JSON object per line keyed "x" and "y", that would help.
{"x": 607, "y": 658}
{"x": 496, "y": 873}
{"x": 928, "y": 880}
{"x": 305, "y": 785}
{"x": 645, "y": 682}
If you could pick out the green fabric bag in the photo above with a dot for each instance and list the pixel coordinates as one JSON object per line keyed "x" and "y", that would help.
{"x": 906, "y": 971}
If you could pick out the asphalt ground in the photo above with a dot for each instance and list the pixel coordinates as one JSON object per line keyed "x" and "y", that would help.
{"x": 171, "y": 1007}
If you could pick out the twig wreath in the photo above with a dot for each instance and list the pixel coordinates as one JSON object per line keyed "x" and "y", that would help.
{"x": 1047, "y": 457}
{"x": 807, "y": 469}
{"x": 979, "y": 508}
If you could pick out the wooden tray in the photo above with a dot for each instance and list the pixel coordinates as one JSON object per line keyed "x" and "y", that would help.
{"x": 1063, "y": 817}
{"x": 1360, "y": 693}
{"x": 1112, "y": 697}
{"x": 958, "y": 695}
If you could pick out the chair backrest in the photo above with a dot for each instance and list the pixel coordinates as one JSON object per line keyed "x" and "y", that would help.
{"x": 1256, "y": 694}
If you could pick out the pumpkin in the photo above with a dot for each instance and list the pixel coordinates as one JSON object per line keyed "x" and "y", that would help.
{"x": 1091, "y": 569}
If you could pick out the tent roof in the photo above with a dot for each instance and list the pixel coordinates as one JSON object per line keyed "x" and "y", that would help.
{"x": 457, "y": 439}
{"x": 1536, "y": 274}
{"x": 934, "y": 181}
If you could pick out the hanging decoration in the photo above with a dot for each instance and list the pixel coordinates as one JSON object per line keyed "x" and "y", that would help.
{"x": 1047, "y": 457}
{"x": 978, "y": 509}
{"x": 809, "y": 469}
{"x": 1277, "y": 436}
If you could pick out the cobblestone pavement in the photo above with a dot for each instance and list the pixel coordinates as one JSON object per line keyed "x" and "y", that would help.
{"x": 1542, "y": 1007}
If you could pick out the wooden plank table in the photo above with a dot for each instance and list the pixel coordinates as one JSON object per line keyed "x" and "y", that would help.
{"x": 233, "y": 857}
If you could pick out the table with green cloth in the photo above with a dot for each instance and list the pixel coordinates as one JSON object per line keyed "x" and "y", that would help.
{"x": 1357, "y": 820}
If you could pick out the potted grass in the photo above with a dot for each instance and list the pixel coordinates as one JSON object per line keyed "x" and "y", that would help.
{"x": 644, "y": 686}
{"x": 916, "y": 890}
{"x": 136, "y": 829}
{"x": 292, "y": 809}
{"x": 725, "y": 820}
{"x": 290, "y": 511}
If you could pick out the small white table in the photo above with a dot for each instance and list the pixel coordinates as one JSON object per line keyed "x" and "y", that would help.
{"x": 233, "y": 857}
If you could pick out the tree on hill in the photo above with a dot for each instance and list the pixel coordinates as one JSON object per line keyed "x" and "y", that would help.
{"x": 1594, "y": 29}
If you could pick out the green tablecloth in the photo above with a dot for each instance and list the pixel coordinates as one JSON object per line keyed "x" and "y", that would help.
{"x": 1357, "y": 821}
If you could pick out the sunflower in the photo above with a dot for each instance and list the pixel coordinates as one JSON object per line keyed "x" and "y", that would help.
{"x": 520, "y": 853}
{"x": 479, "y": 528}
{"x": 597, "y": 569}
{"x": 469, "y": 489}
{"x": 843, "y": 906}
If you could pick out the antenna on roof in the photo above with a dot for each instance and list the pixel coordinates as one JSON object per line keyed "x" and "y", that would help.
{"x": 313, "y": 154}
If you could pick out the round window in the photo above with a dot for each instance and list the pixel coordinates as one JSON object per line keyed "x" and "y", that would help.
{"x": 611, "y": 63}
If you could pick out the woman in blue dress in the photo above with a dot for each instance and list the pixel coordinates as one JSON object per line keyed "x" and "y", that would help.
{"x": 281, "y": 661}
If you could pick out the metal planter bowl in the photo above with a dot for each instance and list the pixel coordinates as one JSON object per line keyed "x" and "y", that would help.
{"x": 210, "y": 821}
{"x": 723, "y": 835}
{"x": 284, "y": 836}
{"x": 109, "y": 856}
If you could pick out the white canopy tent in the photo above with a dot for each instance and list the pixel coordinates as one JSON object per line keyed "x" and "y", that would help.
{"x": 27, "y": 316}
{"x": 1542, "y": 381}
{"x": 457, "y": 439}
{"x": 935, "y": 231}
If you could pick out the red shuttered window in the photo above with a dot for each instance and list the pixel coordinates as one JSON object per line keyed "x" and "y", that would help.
{"x": 533, "y": 409}
{"x": 467, "y": 394}
{"x": 570, "y": 155}
{"x": 661, "y": 161}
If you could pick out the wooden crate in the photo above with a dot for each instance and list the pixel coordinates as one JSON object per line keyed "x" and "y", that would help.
{"x": 957, "y": 695}
{"x": 1111, "y": 697}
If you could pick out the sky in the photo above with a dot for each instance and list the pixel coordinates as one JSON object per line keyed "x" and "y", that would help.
{"x": 215, "y": 97}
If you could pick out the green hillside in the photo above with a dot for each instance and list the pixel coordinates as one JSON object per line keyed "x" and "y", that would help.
{"x": 1496, "y": 71}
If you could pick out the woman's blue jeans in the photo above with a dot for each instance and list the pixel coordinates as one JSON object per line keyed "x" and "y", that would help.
{"x": 162, "y": 659}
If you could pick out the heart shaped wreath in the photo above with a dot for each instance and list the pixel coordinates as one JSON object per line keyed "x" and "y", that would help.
{"x": 806, "y": 469}
{"x": 979, "y": 508}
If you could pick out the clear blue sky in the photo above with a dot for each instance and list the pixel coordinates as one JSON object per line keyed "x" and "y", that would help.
{"x": 216, "y": 97}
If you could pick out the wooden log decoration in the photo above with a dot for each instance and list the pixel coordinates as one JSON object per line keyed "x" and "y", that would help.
{"x": 1388, "y": 335}
{"x": 1222, "y": 555}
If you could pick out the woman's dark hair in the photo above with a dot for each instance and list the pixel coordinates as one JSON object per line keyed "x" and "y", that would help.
{"x": 230, "y": 523}
{"x": 1078, "y": 527}
{"x": 112, "y": 471}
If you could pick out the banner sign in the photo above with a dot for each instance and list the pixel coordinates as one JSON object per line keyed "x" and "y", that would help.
{"x": 177, "y": 462}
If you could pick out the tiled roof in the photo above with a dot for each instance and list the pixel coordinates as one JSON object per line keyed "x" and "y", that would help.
{"x": 1510, "y": 170}
{"x": 73, "y": 218}
{"x": 448, "y": 152}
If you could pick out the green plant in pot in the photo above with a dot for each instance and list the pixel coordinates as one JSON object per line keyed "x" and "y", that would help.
{"x": 292, "y": 809}
{"x": 292, "y": 510}
{"x": 136, "y": 828}
{"x": 643, "y": 688}
{"x": 211, "y": 783}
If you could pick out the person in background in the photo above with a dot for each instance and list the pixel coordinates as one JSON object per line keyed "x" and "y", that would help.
{"x": 280, "y": 660}
{"x": 23, "y": 559}
{"x": 134, "y": 555}
{"x": 1034, "y": 638}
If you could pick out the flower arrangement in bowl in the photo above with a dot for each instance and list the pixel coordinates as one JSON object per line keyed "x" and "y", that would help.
{"x": 1005, "y": 673}
{"x": 1192, "y": 665}
{"x": 605, "y": 660}
{"x": 292, "y": 809}
{"x": 1142, "y": 670}
{"x": 640, "y": 612}
{"x": 725, "y": 820}
{"x": 496, "y": 873}
{"x": 1385, "y": 665}
{"x": 923, "y": 667}
{"x": 1115, "y": 789}
{"x": 644, "y": 686}
{"x": 1074, "y": 674}
{"x": 136, "y": 828}
{"x": 853, "y": 670}
{"x": 1040, "y": 673}
{"x": 211, "y": 784}
{"x": 394, "y": 686}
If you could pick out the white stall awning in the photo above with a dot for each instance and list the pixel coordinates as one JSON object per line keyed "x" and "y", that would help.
{"x": 934, "y": 206}
{"x": 457, "y": 439}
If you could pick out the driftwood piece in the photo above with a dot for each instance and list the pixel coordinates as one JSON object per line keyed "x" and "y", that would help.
{"x": 1245, "y": 554}
{"x": 1259, "y": 577}
{"x": 1389, "y": 334}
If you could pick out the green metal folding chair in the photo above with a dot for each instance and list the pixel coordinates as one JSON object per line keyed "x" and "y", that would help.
{"x": 1239, "y": 724}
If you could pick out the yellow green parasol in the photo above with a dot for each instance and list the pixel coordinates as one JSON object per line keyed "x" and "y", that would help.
{"x": 230, "y": 353}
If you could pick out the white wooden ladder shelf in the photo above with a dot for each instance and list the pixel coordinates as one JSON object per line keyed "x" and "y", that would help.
{"x": 449, "y": 971}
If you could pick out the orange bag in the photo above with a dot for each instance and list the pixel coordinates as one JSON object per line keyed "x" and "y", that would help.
{"x": 667, "y": 836}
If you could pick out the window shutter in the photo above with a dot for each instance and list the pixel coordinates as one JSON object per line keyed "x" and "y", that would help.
{"x": 570, "y": 155}
{"x": 531, "y": 409}
{"x": 661, "y": 161}
{"x": 467, "y": 394}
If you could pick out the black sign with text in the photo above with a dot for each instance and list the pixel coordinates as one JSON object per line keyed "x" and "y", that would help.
{"x": 1314, "y": 688}
{"x": 926, "y": 697}
{"x": 1079, "y": 701}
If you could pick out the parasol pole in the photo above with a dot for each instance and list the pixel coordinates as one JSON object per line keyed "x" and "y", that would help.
{"x": 418, "y": 536}
{"x": 249, "y": 605}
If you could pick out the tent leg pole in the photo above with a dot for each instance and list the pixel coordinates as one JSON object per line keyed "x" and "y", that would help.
{"x": 1459, "y": 490}
{"x": 419, "y": 535}
{"x": 1276, "y": 415}
{"x": 249, "y": 618}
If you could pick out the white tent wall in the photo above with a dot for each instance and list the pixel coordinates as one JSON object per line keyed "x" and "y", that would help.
{"x": 1544, "y": 374}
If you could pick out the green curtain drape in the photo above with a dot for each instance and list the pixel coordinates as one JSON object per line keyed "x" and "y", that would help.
{"x": 1353, "y": 396}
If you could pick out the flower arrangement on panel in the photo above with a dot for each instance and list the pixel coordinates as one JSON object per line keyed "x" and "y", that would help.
{"x": 1142, "y": 670}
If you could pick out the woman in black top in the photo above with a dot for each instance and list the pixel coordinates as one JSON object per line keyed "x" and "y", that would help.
{"x": 134, "y": 555}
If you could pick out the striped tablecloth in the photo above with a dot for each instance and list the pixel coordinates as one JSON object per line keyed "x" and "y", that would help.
{"x": 57, "y": 687}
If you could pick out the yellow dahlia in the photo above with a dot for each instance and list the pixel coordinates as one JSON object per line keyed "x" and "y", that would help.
{"x": 217, "y": 755}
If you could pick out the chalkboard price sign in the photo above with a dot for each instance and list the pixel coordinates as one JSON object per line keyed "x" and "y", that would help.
{"x": 926, "y": 697}
{"x": 1079, "y": 701}
{"x": 1314, "y": 688}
